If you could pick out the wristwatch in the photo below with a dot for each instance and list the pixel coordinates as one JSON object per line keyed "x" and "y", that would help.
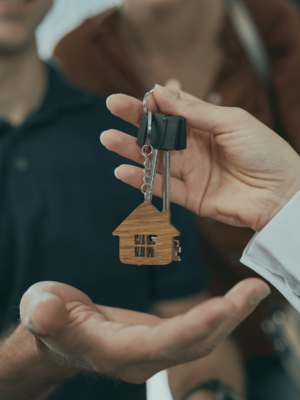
{"x": 221, "y": 390}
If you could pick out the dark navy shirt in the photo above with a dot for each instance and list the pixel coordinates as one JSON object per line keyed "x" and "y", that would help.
{"x": 59, "y": 204}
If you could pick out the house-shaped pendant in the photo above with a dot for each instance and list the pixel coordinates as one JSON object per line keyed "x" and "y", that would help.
{"x": 147, "y": 237}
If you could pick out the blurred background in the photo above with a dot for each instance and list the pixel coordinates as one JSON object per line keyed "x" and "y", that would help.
{"x": 65, "y": 15}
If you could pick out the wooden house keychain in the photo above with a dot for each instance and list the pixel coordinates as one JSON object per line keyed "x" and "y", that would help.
{"x": 147, "y": 235}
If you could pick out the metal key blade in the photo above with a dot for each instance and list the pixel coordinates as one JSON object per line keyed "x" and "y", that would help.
{"x": 149, "y": 194}
{"x": 166, "y": 181}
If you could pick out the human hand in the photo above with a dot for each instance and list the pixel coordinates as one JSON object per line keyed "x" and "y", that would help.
{"x": 235, "y": 169}
{"x": 125, "y": 344}
{"x": 202, "y": 395}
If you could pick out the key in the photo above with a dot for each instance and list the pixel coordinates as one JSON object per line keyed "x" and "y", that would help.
{"x": 149, "y": 175}
{"x": 150, "y": 166}
{"x": 166, "y": 200}
{"x": 168, "y": 133}
{"x": 147, "y": 235}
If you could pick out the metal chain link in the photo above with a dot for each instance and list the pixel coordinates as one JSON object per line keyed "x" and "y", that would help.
{"x": 147, "y": 152}
{"x": 150, "y": 156}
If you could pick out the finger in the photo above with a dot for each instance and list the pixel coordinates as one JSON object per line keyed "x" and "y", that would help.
{"x": 245, "y": 297}
{"x": 199, "y": 323}
{"x": 134, "y": 176}
{"x": 199, "y": 114}
{"x": 130, "y": 109}
{"x": 153, "y": 347}
{"x": 173, "y": 84}
{"x": 127, "y": 316}
{"x": 126, "y": 146}
{"x": 177, "y": 92}
{"x": 43, "y": 307}
{"x": 162, "y": 346}
{"x": 42, "y": 312}
{"x": 123, "y": 144}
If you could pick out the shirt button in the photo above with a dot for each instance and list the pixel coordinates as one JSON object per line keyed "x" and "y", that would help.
{"x": 215, "y": 98}
{"x": 21, "y": 164}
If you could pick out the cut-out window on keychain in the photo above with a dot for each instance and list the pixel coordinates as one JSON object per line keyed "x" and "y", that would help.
{"x": 147, "y": 246}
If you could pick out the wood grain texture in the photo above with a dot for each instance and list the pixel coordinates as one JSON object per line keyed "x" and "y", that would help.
{"x": 147, "y": 220}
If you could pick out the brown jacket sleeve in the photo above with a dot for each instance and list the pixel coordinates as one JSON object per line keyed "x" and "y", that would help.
{"x": 93, "y": 56}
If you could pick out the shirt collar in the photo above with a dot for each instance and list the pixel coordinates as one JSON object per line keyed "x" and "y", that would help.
{"x": 61, "y": 96}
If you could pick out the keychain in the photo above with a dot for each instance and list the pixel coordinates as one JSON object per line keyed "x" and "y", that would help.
{"x": 147, "y": 235}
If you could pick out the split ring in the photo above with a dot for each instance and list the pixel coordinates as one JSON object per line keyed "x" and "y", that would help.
{"x": 145, "y": 102}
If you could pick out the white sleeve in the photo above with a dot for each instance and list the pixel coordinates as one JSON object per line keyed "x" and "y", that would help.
{"x": 274, "y": 253}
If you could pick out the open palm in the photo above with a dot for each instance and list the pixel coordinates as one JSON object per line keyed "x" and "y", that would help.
{"x": 234, "y": 169}
{"x": 125, "y": 344}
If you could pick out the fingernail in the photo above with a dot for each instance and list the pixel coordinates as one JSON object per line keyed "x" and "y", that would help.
{"x": 102, "y": 136}
{"x": 254, "y": 301}
{"x": 116, "y": 173}
{"x": 108, "y": 99}
{"x": 166, "y": 92}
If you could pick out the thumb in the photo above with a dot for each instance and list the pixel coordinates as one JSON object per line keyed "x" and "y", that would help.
{"x": 42, "y": 309}
{"x": 199, "y": 114}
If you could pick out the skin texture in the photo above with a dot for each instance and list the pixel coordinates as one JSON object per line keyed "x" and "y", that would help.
{"x": 18, "y": 22}
{"x": 235, "y": 169}
{"x": 63, "y": 333}
{"x": 23, "y": 77}
{"x": 129, "y": 345}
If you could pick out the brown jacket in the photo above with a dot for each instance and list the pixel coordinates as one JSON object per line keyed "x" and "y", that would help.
{"x": 94, "y": 57}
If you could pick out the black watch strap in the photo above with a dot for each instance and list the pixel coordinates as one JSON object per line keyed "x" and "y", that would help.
{"x": 223, "y": 391}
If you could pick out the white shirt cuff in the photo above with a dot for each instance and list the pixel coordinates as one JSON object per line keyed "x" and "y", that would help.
{"x": 274, "y": 253}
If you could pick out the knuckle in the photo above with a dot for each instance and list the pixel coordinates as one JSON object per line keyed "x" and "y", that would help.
{"x": 241, "y": 114}
{"x": 191, "y": 108}
{"x": 191, "y": 103}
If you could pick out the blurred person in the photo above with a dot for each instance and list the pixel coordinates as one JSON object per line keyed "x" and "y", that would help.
{"x": 58, "y": 210}
{"x": 194, "y": 45}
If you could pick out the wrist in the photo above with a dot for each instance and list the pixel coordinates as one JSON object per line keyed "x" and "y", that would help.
{"x": 53, "y": 365}
{"x": 281, "y": 203}
{"x": 25, "y": 358}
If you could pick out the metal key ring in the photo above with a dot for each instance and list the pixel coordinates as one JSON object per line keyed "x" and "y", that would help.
{"x": 149, "y": 128}
{"x": 145, "y": 102}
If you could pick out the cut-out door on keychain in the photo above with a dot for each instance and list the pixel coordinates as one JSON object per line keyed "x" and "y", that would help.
{"x": 147, "y": 235}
